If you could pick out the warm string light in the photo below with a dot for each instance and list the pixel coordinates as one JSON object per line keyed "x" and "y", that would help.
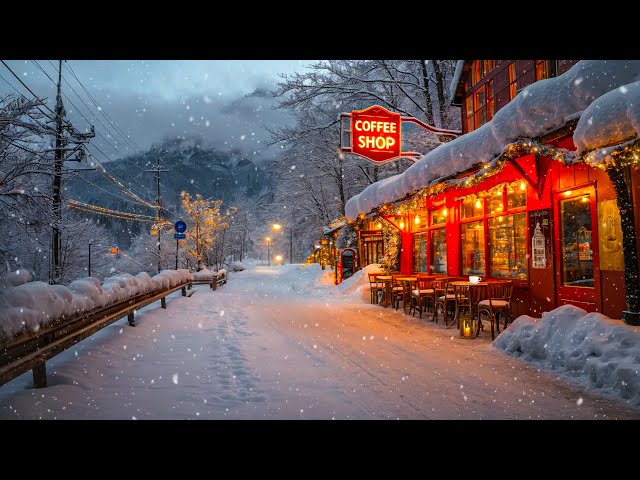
{"x": 112, "y": 215}
{"x": 620, "y": 157}
{"x": 85, "y": 207}
{"x": 122, "y": 188}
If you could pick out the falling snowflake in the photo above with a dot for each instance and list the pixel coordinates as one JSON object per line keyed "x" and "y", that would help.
{"x": 174, "y": 378}
{"x": 242, "y": 137}
{"x": 579, "y": 401}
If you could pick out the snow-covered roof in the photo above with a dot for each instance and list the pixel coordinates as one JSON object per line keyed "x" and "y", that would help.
{"x": 611, "y": 119}
{"x": 334, "y": 226}
{"x": 538, "y": 108}
{"x": 456, "y": 78}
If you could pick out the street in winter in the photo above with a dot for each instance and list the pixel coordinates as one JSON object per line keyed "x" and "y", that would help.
{"x": 284, "y": 343}
{"x": 336, "y": 240}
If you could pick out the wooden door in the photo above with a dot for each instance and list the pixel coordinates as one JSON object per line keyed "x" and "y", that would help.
{"x": 576, "y": 249}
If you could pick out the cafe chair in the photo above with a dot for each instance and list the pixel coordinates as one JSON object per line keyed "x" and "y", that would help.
{"x": 462, "y": 302}
{"x": 375, "y": 287}
{"x": 444, "y": 300}
{"x": 422, "y": 295}
{"x": 499, "y": 301}
{"x": 397, "y": 291}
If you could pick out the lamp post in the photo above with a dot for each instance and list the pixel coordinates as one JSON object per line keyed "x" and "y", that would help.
{"x": 268, "y": 239}
{"x": 276, "y": 227}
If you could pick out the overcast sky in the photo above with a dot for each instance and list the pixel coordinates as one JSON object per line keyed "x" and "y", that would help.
{"x": 154, "y": 99}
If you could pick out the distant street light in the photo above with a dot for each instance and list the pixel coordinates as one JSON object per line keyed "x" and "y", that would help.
{"x": 276, "y": 227}
{"x": 268, "y": 239}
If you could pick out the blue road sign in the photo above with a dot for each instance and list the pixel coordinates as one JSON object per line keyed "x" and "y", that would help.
{"x": 180, "y": 227}
{"x": 179, "y": 235}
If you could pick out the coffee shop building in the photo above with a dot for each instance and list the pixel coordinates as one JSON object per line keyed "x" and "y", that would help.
{"x": 522, "y": 194}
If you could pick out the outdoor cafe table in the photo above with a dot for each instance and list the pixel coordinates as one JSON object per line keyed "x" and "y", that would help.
{"x": 386, "y": 280}
{"x": 408, "y": 282}
{"x": 474, "y": 294}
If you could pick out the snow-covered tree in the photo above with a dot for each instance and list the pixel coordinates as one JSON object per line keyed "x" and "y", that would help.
{"x": 205, "y": 223}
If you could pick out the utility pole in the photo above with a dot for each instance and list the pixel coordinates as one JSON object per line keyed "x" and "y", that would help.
{"x": 157, "y": 170}
{"x": 57, "y": 180}
{"x": 290, "y": 246}
{"x": 59, "y": 159}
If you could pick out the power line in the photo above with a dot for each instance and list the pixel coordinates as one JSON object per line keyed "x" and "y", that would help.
{"x": 109, "y": 193}
{"x": 25, "y": 97}
{"x": 104, "y": 113}
{"x": 25, "y": 86}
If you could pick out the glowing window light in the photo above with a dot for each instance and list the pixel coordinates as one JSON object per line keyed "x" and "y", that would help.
{"x": 417, "y": 220}
{"x": 522, "y": 186}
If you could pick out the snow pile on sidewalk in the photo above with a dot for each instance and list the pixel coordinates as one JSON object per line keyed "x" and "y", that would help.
{"x": 237, "y": 266}
{"x": 204, "y": 274}
{"x": 588, "y": 347}
{"x": 27, "y": 306}
{"x": 357, "y": 286}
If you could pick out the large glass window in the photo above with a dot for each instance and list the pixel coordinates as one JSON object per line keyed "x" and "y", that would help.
{"x": 439, "y": 250}
{"x": 517, "y": 196}
{"x": 577, "y": 249}
{"x": 420, "y": 220}
{"x": 420, "y": 252}
{"x": 508, "y": 246}
{"x": 471, "y": 207}
{"x": 439, "y": 217}
{"x": 495, "y": 203}
{"x": 472, "y": 248}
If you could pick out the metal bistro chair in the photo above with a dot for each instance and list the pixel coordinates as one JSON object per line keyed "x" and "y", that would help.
{"x": 499, "y": 301}
{"x": 375, "y": 287}
{"x": 424, "y": 294}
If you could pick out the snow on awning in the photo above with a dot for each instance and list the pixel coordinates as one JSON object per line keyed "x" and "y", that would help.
{"x": 334, "y": 226}
{"x": 539, "y": 107}
{"x": 610, "y": 120}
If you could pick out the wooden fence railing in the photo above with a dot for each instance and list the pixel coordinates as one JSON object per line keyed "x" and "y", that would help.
{"x": 31, "y": 352}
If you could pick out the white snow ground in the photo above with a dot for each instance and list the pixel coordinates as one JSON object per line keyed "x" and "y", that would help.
{"x": 284, "y": 343}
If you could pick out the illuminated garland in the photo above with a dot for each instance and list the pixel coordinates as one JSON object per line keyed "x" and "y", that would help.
{"x": 512, "y": 151}
{"x": 85, "y": 207}
{"x": 119, "y": 184}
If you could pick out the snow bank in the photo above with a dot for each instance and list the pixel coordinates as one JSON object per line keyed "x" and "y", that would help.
{"x": 357, "y": 285}
{"x": 588, "y": 347}
{"x": 541, "y": 106}
{"x": 237, "y": 266}
{"x": 27, "y": 306}
{"x": 204, "y": 274}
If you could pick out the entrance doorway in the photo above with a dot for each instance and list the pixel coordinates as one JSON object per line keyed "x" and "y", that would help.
{"x": 576, "y": 244}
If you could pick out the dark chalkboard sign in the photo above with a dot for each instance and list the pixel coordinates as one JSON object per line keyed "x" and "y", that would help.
{"x": 347, "y": 262}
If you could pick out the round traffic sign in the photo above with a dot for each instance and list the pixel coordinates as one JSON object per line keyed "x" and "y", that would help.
{"x": 180, "y": 226}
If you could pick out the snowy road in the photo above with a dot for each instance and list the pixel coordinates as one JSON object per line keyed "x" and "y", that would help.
{"x": 275, "y": 344}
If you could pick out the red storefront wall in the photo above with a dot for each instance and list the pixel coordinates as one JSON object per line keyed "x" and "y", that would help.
{"x": 539, "y": 293}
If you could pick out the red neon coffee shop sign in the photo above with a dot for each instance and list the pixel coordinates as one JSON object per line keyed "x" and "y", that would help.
{"x": 376, "y": 134}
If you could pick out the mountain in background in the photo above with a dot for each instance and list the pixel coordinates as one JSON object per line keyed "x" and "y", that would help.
{"x": 228, "y": 175}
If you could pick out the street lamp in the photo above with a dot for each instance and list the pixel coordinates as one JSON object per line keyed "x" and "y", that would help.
{"x": 97, "y": 245}
{"x": 268, "y": 239}
{"x": 276, "y": 227}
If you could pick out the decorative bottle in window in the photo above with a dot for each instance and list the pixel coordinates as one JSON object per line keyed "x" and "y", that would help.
{"x": 537, "y": 244}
